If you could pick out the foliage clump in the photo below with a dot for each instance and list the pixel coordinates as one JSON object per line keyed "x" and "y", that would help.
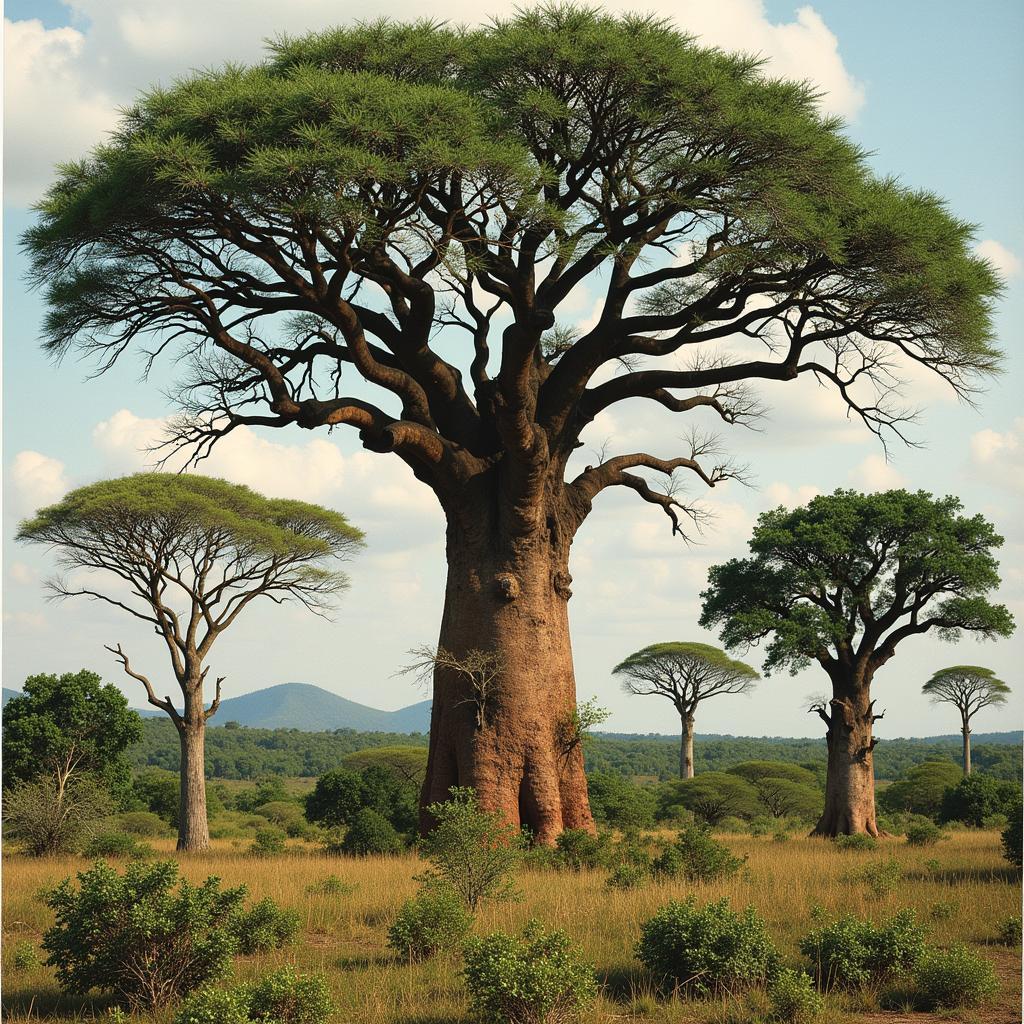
{"x": 283, "y": 997}
{"x": 49, "y": 821}
{"x": 578, "y": 849}
{"x": 977, "y": 797}
{"x": 793, "y": 997}
{"x": 371, "y": 834}
{"x": 536, "y": 978}
{"x": 471, "y": 850}
{"x": 698, "y": 857}
{"x": 264, "y": 926}
{"x": 882, "y": 877}
{"x": 628, "y": 875}
{"x": 954, "y": 977}
{"x": 924, "y": 833}
{"x": 850, "y": 952}
{"x": 135, "y": 937}
{"x": 859, "y": 842}
{"x": 332, "y": 885}
{"x": 116, "y": 844}
{"x": 269, "y": 842}
{"x": 1013, "y": 838}
{"x": 434, "y": 921}
{"x": 707, "y": 949}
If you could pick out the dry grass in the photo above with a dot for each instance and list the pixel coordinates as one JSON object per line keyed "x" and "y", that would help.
{"x": 344, "y": 936}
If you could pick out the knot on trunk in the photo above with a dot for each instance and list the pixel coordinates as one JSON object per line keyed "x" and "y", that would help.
{"x": 506, "y": 586}
{"x": 562, "y": 581}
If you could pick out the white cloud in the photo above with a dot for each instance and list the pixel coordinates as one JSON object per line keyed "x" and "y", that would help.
{"x": 999, "y": 457}
{"x": 1006, "y": 262}
{"x": 36, "y": 480}
{"x": 876, "y": 474}
{"x": 780, "y": 493}
{"x": 64, "y": 85}
{"x": 21, "y": 573}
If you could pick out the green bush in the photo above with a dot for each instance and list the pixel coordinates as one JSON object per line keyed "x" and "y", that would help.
{"x": 471, "y": 850}
{"x": 976, "y": 797}
{"x": 943, "y": 910}
{"x": 283, "y": 997}
{"x": 49, "y": 821}
{"x": 924, "y": 833}
{"x": 615, "y": 801}
{"x": 850, "y": 952}
{"x": 263, "y": 927}
{"x": 707, "y": 949}
{"x": 859, "y": 842}
{"x": 1009, "y": 933}
{"x": 25, "y": 956}
{"x": 578, "y": 849}
{"x": 1012, "y": 838}
{"x": 142, "y": 823}
{"x": 793, "y": 997}
{"x": 269, "y": 842}
{"x": 954, "y": 977}
{"x": 433, "y": 921}
{"x": 371, "y": 833}
{"x": 697, "y": 856}
{"x": 538, "y": 978}
{"x": 117, "y": 844}
{"x": 882, "y": 877}
{"x": 332, "y": 885}
{"x": 628, "y": 875}
{"x": 133, "y": 936}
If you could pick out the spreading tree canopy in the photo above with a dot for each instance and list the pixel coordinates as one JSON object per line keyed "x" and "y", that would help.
{"x": 387, "y": 227}
{"x": 969, "y": 688}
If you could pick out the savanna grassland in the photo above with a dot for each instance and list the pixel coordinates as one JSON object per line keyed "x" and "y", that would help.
{"x": 962, "y": 889}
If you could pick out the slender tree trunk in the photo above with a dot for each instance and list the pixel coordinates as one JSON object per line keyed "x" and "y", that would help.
{"x": 507, "y": 593}
{"x": 966, "y": 730}
{"x": 193, "y": 827}
{"x": 686, "y": 747}
{"x": 850, "y": 782}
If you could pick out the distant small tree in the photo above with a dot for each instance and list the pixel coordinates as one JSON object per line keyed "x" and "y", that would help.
{"x": 969, "y": 689}
{"x": 67, "y": 726}
{"x": 687, "y": 674}
{"x": 977, "y": 797}
{"x": 189, "y": 554}
{"x": 711, "y": 796}
{"x": 921, "y": 790}
{"x": 843, "y": 581}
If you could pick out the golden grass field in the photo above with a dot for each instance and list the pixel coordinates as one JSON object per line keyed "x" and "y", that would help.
{"x": 345, "y": 937}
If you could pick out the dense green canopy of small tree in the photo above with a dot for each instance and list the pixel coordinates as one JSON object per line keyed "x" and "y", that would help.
{"x": 969, "y": 688}
{"x": 922, "y": 789}
{"x": 68, "y": 725}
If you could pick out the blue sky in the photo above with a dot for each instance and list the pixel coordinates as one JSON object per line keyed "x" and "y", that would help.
{"x": 932, "y": 90}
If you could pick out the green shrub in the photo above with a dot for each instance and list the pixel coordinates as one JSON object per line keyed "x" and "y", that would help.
{"x": 943, "y": 910}
{"x": 1009, "y": 933}
{"x": 471, "y": 850}
{"x": 142, "y": 823}
{"x": 615, "y": 801}
{"x": 578, "y": 849}
{"x": 793, "y": 997}
{"x": 850, "y": 952}
{"x": 954, "y": 977}
{"x": 434, "y": 921}
{"x": 698, "y": 857}
{"x": 371, "y": 833}
{"x": 133, "y": 936}
{"x": 858, "y": 842}
{"x": 283, "y": 997}
{"x": 976, "y": 797}
{"x": 882, "y": 877}
{"x": 332, "y": 885}
{"x": 781, "y": 837}
{"x": 25, "y": 956}
{"x": 925, "y": 833}
{"x": 117, "y": 844}
{"x": 269, "y": 842}
{"x": 627, "y": 876}
{"x": 538, "y": 978}
{"x": 263, "y": 927}
{"x": 50, "y": 821}
{"x": 995, "y": 822}
{"x": 1012, "y": 838}
{"x": 706, "y": 949}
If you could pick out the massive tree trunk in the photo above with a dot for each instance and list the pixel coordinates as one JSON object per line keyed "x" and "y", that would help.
{"x": 850, "y": 783}
{"x": 193, "y": 827}
{"x": 686, "y": 747}
{"x": 966, "y": 730}
{"x": 507, "y": 593}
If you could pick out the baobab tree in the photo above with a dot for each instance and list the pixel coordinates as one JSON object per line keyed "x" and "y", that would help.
{"x": 842, "y": 582}
{"x": 415, "y": 209}
{"x": 687, "y": 674}
{"x": 188, "y": 554}
{"x": 969, "y": 689}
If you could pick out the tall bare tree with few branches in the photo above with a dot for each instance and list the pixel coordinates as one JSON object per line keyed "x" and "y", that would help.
{"x": 687, "y": 674}
{"x": 968, "y": 688}
{"x": 386, "y": 227}
{"x": 188, "y": 555}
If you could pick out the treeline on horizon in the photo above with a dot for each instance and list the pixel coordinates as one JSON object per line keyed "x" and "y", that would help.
{"x": 239, "y": 752}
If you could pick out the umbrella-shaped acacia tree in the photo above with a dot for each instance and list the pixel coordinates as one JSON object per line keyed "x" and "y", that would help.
{"x": 385, "y": 227}
{"x": 968, "y": 688}
{"x": 686, "y": 674}
{"x": 187, "y": 554}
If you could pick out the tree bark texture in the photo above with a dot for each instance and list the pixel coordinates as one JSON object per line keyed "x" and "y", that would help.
{"x": 507, "y": 593}
{"x": 193, "y": 827}
{"x": 967, "y": 747}
{"x": 850, "y": 785}
{"x": 686, "y": 748}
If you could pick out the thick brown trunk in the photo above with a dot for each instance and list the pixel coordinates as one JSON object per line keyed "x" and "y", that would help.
{"x": 686, "y": 748}
{"x": 508, "y": 595}
{"x": 967, "y": 748}
{"x": 850, "y": 783}
{"x": 193, "y": 827}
